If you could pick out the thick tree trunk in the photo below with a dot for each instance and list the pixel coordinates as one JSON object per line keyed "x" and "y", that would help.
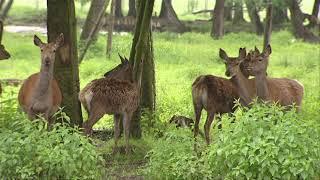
{"x": 6, "y": 10}
{"x": 143, "y": 72}
{"x": 118, "y": 11}
{"x": 110, "y": 30}
{"x": 91, "y": 26}
{"x": 268, "y": 26}
{"x": 315, "y": 10}
{"x": 132, "y": 8}
{"x": 238, "y": 13}
{"x": 61, "y": 19}
{"x": 299, "y": 30}
{"x": 254, "y": 16}
{"x": 279, "y": 15}
{"x": 169, "y": 16}
{"x": 228, "y": 11}
{"x": 217, "y": 30}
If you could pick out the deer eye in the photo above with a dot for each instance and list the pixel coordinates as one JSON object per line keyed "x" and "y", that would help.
{"x": 41, "y": 50}
{"x": 54, "y": 50}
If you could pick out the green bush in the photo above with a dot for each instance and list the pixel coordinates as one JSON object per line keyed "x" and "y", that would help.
{"x": 266, "y": 143}
{"x": 28, "y": 150}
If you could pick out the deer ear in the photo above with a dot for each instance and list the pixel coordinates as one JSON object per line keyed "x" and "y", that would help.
{"x": 37, "y": 41}
{"x": 242, "y": 53}
{"x": 223, "y": 55}
{"x": 256, "y": 50}
{"x": 60, "y": 40}
{"x": 267, "y": 51}
{"x": 122, "y": 59}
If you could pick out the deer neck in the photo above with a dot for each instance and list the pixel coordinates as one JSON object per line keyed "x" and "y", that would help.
{"x": 262, "y": 86}
{"x": 243, "y": 86}
{"x": 45, "y": 79}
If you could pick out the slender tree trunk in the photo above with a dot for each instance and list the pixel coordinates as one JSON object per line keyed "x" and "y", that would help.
{"x": 299, "y": 30}
{"x": 170, "y": 17}
{"x": 254, "y": 16}
{"x": 132, "y": 8}
{"x": 1, "y": 4}
{"x": 1, "y": 31}
{"x": 118, "y": 11}
{"x": 279, "y": 15}
{"x": 61, "y": 19}
{"x": 6, "y": 10}
{"x": 238, "y": 13}
{"x": 228, "y": 11}
{"x": 268, "y": 26}
{"x": 217, "y": 30}
{"x": 315, "y": 10}
{"x": 142, "y": 51}
{"x": 110, "y": 30}
{"x": 91, "y": 26}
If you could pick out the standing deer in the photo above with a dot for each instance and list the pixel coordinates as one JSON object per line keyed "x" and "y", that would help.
{"x": 215, "y": 95}
{"x": 284, "y": 91}
{"x": 40, "y": 92}
{"x": 115, "y": 94}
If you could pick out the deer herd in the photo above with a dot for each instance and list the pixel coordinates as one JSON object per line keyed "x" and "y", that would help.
{"x": 117, "y": 93}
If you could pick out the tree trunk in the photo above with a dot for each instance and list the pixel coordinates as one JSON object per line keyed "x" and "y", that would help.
{"x": 1, "y": 31}
{"x": 118, "y": 11}
{"x": 238, "y": 13}
{"x": 6, "y": 10}
{"x": 91, "y": 26}
{"x": 143, "y": 71}
{"x": 110, "y": 30}
{"x": 217, "y": 30}
{"x": 228, "y": 11}
{"x": 268, "y": 26}
{"x": 1, "y": 4}
{"x": 132, "y": 8}
{"x": 61, "y": 19}
{"x": 315, "y": 10}
{"x": 279, "y": 15}
{"x": 299, "y": 30}
{"x": 169, "y": 16}
{"x": 254, "y": 16}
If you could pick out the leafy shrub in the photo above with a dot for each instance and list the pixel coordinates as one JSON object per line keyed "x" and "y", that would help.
{"x": 28, "y": 150}
{"x": 266, "y": 143}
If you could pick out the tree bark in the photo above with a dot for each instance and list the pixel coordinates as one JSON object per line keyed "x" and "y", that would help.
{"x": 279, "y": 15}
{"x": 217, "y": 30}
{"x": 143, "y": 71}
{"x": 170, "y": 17}
{"x": 132, "y": 8}
{"x": 315, "y": 10}
{"x": 61, "y": 19}
{"x": 268, "y": 26}
{"x": 299, "y": 30}
{"x": 238, "y": 13}
{"x": 1, "y": 4}
{"x": 91, "y": 26}
{"x": 6, "y": 10}
{"x": 110, "y": 30}
{"x": 118, "y": 11}
{"x": 228, "y": 11}
{"x": 1, "y": 31}
{"x": 254, "y": 16}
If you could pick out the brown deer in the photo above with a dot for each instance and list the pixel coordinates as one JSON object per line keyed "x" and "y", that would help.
{"x": 284, "y": 91}
{"x": 40, "y": 92}
{"x": 115, "y": 94}
{"x": 215, "y": 94}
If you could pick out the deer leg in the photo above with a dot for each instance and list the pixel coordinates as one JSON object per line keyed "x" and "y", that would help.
{"x": 207, "y": 126}
{"x": 116, "y": 119}
{"x": 94, "y": 117}
{"x": 197, "y": 110}
{"x": 126, "y": 127}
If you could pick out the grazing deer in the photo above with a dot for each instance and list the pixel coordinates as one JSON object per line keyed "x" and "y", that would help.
{"x": 40, "y": 92}
{"x": 4, "y": 54}
{"x": 115, "y": 94}
{"x": 284, "y": 91}
{"x": 215, "y": 95}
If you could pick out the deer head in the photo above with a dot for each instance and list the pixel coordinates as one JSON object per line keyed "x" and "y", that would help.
{"x": 4, "y": 54}
{"x": 256, "y": 62}
{"x": 233, "y": 63}
{"x": 48, "y": 50}
{"x": 123, "y": 71}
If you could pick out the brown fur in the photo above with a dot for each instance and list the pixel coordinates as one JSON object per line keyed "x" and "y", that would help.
{"x": 40, "y": 92}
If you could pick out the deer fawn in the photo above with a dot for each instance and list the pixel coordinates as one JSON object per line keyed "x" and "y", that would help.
{"x": 215, "y": 95}
{"x": 282, "y": 90}
{"x": 40, "y": 92}
{"x": 115, "y": 94}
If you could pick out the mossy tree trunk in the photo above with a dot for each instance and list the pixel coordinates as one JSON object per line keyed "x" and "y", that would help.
{"x": 217, "y": 30}
{"x": 61, "y": 19}
{"x": 141, "y": 56}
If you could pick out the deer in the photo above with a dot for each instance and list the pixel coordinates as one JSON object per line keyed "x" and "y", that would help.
{"x": 286, "y": 92}
{"x": 217, "y": 95}
{"x": 40, "y": 94}
{"x": 4, "y": 54}
{"x": 117, "y": 94}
